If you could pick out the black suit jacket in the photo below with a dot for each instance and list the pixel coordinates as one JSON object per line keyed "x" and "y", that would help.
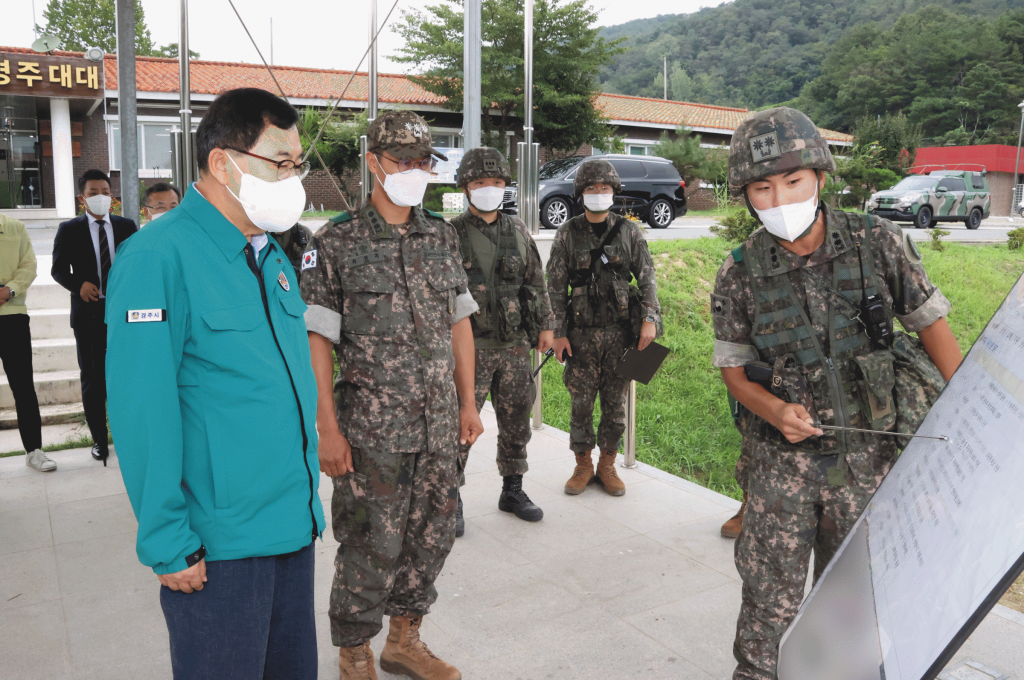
{"x": 74, "y": 258}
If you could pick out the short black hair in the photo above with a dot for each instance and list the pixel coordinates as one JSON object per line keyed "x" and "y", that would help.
{"x": 159, "y": 188}
{"x": 90, "y": 175}
{"x": 237, "y": 118}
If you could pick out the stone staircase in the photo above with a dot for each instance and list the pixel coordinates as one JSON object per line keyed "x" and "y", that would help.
{"x": 54, "y": 358}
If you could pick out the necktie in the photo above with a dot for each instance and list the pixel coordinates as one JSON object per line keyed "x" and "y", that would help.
{"x": 104, "y": 256}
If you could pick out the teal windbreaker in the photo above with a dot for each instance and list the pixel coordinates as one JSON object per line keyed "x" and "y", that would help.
{"x": 210, "y": 391}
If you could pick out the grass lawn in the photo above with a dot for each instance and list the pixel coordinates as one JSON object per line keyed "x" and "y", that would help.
{"x": 683, "y": 423}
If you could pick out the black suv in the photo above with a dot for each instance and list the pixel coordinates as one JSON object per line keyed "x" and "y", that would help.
{"x": 651, "y": 189}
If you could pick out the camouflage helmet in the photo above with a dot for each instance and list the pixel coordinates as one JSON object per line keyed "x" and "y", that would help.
{"x": 774, "y": 141}
{"x": 595, "y": 171}
{"x": 403, "y": 134}
{"x": 481, "y": 163}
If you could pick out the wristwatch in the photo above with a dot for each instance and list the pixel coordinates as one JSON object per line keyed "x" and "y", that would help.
{"x": 649, "y": 319}
{"x": 193, "y": 559}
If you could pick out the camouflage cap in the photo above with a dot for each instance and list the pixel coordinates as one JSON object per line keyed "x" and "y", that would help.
{"x": 774, "y": 141}
{"x": 401, "y": 133}
{"x": 595, "y": 171}
{"x": 481, "y": 163}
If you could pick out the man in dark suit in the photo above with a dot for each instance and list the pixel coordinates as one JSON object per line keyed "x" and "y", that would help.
{"x": 83, "y": 251}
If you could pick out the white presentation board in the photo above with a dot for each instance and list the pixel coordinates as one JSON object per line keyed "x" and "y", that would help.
{"x": 940, "y": 541}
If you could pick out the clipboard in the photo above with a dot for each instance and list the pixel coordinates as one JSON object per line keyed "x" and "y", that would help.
{"x": 641, "y": 366}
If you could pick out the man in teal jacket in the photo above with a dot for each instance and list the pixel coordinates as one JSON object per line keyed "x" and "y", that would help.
{"x": 212, "y": 402}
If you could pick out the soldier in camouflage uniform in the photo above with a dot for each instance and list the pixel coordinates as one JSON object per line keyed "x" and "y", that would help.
{"x": 506, "y": 278}
{"x": 593, "y": 258}
{"x": 790, "y": 297}
{"x": 293, "y": 242}
{"x": 386, "y": 290}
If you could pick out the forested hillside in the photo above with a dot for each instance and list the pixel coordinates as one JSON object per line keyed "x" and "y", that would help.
{"x": 947, "y": 64}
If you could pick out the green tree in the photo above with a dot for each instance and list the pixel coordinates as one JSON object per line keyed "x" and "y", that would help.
{"x": 680, "y": 85}
{"x": 894, "y": 137}
{"x": 693, "y": 161}
{"x": 339, "y": 144}
{"x": 864, "y": 172}
{"x": 81, "y": 24}
{"x": 170, "y": 50}
{"x": 568, "y": 54}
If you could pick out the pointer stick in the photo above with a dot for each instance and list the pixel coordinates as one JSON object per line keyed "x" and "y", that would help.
{"x": 547, "y": 355}
{"x": 941, "y": 438}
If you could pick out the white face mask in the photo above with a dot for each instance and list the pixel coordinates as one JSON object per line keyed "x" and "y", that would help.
{"x": 98, "y": 204}
{"x": 486, "y": 199}
{"x": 406, "y": 189}
{"x": 789, "y": 222}
{"x": 154, "y": 215}
{"x": 598, "y": 203}
{"x": 272, "y": 206}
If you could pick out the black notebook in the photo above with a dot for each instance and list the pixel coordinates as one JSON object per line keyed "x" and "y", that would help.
{"x": 641, "y": 366}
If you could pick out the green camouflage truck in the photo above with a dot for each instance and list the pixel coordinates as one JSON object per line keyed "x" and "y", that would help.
{"x": 939, "y": 196}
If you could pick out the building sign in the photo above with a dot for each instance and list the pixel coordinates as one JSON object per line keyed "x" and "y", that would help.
{"x": 40, "y": 75}
{"x": 445, "y": 171}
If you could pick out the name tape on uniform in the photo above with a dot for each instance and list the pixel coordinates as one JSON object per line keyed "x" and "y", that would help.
{"x": 308, "y": 260}
{"x": 145, "y": 315}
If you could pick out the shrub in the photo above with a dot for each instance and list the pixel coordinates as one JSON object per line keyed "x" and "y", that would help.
{"x": 736, "y": 226}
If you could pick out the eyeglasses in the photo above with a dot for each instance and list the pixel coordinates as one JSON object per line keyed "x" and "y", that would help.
{"x": 285, "y": 168}
{"x": 426, "y": 164}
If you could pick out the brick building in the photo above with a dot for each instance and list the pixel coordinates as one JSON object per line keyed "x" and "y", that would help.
{"x": 55, "y": 137}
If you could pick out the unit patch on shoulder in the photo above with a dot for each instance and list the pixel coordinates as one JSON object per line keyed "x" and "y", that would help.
{"x": 145, "y": 315}
{"x": 721, "y": 306}
{"x": 765, "y": 147}
{"x": 910, "y": 249}
{"x": 283, "y": 280}
{"x": 308, "y": 260}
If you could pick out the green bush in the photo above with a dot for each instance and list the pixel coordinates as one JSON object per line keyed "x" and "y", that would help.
{"x": 937, "y": 243}
{"x": 1015, "y": 238}
{"x": 736, "y": 226}
{"x": 433, "y": 199}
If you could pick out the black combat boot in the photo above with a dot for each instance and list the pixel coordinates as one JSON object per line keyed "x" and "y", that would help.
{"x": 460, "y": 521}
{"x": 514, "y": 499}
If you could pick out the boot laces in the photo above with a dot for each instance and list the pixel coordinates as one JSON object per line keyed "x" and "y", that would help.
{"x": 360, "y": 658}
{"x": 415, "y": 643}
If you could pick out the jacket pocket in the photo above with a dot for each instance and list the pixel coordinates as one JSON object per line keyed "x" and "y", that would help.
{"x": 352, "y": 509}
{"x": 582, "y": 313}
{"x": 367, "y": 299}
{"x": 876, "y": 385}
{"x": 445, "y": 279}
{"x": 293, "y": 305}
{"x": 242, "y": 319}
{"x": 620, "y": 290}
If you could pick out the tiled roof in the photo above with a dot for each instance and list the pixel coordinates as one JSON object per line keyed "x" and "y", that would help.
{"x": 644, "y": 110}
{"x": 155, "y": 74}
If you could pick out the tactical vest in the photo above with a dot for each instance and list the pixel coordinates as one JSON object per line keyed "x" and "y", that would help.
{"x": 496, "y": 273}
{"x": 599, "y": 278}
{"x": 852, "y": 385}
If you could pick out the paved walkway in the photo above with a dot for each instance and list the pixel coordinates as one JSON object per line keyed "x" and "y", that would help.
{"x": 640, "y": 586}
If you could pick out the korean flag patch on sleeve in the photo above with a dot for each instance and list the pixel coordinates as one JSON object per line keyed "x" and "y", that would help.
{"x": 308, "y": 260}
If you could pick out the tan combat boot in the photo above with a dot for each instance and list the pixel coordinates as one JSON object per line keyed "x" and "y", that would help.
{"x": 608, "y": 476}
{"x": 581, "y": 476}
{"x": 356, "y": 663}
{"x": 405, "y": 654}
{"x": 732, "y": 528}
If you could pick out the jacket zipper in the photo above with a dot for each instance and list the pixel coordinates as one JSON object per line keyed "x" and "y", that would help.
{"x": 250, "y": 259}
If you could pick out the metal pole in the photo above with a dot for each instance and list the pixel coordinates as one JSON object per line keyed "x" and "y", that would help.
{"x": 364, "y": 179}
{"x": 127, "y": 111}
{"x": 1016, "y": 167}
{"x": 629, "y": 450}
{"x": 666, "y": 76}
{"x": 372, "y": 96}
{"x": 471, "y": 33}
{"x": 186, "y": 101}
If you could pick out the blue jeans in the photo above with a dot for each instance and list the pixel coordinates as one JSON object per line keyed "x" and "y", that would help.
{"x": 253, "y": 620}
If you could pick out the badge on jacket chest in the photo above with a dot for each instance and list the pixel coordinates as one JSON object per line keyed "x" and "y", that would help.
{"x": 283, "y": 280}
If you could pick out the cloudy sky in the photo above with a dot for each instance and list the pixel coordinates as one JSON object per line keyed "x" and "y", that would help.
{"x": 312, "y": 33}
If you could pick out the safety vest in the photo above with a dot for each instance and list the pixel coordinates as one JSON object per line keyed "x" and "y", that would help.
{"x": 496, "y": 273}
{"x": 599, "y": 277}
{"x": 851, "y": 385}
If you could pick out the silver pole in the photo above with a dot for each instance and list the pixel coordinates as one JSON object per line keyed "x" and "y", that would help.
{"x": 629, "y": 452}
{"x": 365, "y": 179}
{"x": 666, "y": 76}
{"x": 186, "y": 101}
{"x": 372, "y": 97}
{"x": 1016, "y": 167}
{"x": 471, "y": 33}
{"x": 127, "y": 109}
{"x": 176, "y": 156}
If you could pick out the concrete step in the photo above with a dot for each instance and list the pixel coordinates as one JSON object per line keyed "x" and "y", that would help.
{"x": 47, "y": 296}
{"x": 52, "y": 387}
{"x": 52, "y": 414}
{"x": 53, "y": 354}
{"x": 50, "y": 323}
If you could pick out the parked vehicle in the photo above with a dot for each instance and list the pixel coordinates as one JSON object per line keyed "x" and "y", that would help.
{"x": 651, "y": 189}
{"x": 940, "y": 196}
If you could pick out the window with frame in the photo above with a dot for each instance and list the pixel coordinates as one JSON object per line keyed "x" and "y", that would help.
{"x": 155, "y": 149}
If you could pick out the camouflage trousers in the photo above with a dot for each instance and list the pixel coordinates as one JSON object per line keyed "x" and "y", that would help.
{"x": 506, "y": 375}
{"x": 395, "y": 520}
{"x": 792, "y": 510}
{"x": 742, "y": 471}
{"x": 589, "y": 373}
